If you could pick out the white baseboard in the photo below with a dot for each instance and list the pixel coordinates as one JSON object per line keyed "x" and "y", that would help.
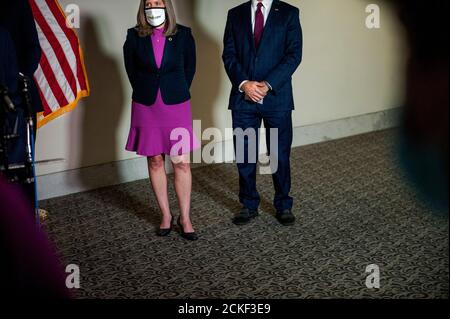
{"x": 84, "y": 179}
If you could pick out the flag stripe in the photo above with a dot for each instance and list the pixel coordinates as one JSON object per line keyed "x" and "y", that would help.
{"x": 53, "y": 43}
{"x": 47, "y": 97}
{"x": 53, "y": 82}
{"x": 71, "y": 36}
{"x": 61, "y": 36}
{"x": 61, "y": 76}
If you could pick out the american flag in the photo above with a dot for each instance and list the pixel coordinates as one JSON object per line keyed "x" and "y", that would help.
{"x": 61, "y": 76}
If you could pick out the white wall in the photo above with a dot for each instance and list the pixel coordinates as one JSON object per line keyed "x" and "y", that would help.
{"x": 348, "y": 70}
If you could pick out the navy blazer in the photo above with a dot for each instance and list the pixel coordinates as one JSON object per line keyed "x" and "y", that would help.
{"x": 9, "y": 72}
{"x": 177, "y": 71}
{"x": 16, "y": 17}
{"x": 275, "y": 61}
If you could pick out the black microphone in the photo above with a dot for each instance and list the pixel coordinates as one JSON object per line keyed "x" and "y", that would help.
{"x": 26, "y": 82}
{"x": 5, "y": 96}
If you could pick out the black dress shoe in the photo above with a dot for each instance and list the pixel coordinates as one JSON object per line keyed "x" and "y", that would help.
{"x": 286, "y": 217}
{"x": 165, "y": 232}
{"x": 245, "y": 216}
{"x": 187, "y": 236}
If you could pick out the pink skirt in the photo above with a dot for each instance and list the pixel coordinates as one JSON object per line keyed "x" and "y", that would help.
{"x": 162, "y": 129}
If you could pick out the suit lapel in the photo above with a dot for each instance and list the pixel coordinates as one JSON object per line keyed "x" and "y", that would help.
{"x": 148, "y": 45}
{"x": 149, "y": 51}
{"x": 168, "y": 48}
{"x": 247, "y": 17}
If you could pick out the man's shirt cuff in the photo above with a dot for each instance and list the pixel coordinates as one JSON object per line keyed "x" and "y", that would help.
{"x": 240, "y": 86}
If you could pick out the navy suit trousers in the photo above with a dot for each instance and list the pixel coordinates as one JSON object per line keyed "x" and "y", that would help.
{"x": 252, "y": 119}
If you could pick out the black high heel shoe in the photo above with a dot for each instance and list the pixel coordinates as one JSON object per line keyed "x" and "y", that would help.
{"x": 165, "y": 232}
{"x": 187, "y": 236}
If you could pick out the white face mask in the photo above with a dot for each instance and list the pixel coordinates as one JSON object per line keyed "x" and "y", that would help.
{"x": 155, "y": 16}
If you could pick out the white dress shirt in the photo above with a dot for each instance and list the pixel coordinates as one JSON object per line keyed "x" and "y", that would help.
{"x": 267, "y": 5}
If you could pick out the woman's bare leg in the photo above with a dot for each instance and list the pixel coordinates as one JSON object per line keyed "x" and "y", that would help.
{"x": 183, "y": 188}
{"x": 158, "y": 178}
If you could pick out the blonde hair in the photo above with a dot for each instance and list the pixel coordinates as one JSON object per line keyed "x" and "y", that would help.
{"x": 144, "y": 29}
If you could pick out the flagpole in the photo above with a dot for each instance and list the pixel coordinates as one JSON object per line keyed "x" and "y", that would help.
{"x": 31, "y": 152}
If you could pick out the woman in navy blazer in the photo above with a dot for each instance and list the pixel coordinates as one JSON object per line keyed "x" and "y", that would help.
{"x": 160, "y": 61}
{"x": 178, "y": 67}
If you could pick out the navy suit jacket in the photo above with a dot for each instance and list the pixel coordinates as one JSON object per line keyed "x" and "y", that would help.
{"x": 9, "y": 72}
{"x": 16, "y": 16}
{"x": 177, "y": 71}
{"x": 9, "y": 77}
{"x": 275, "y": 61}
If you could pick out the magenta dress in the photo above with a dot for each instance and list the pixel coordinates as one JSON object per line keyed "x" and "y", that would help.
{"x": 160, "y": 128}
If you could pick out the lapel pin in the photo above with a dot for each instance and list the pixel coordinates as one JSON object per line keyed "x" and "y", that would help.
{"x": 170, "y": 39}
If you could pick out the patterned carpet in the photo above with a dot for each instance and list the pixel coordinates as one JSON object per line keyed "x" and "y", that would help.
{"x": 353, "y": 210}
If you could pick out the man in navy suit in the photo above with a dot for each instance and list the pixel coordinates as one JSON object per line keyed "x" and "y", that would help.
{"x": 16, "y": 17}
{"x": 12, "y": 122}
{"x": 262, "y": 49}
